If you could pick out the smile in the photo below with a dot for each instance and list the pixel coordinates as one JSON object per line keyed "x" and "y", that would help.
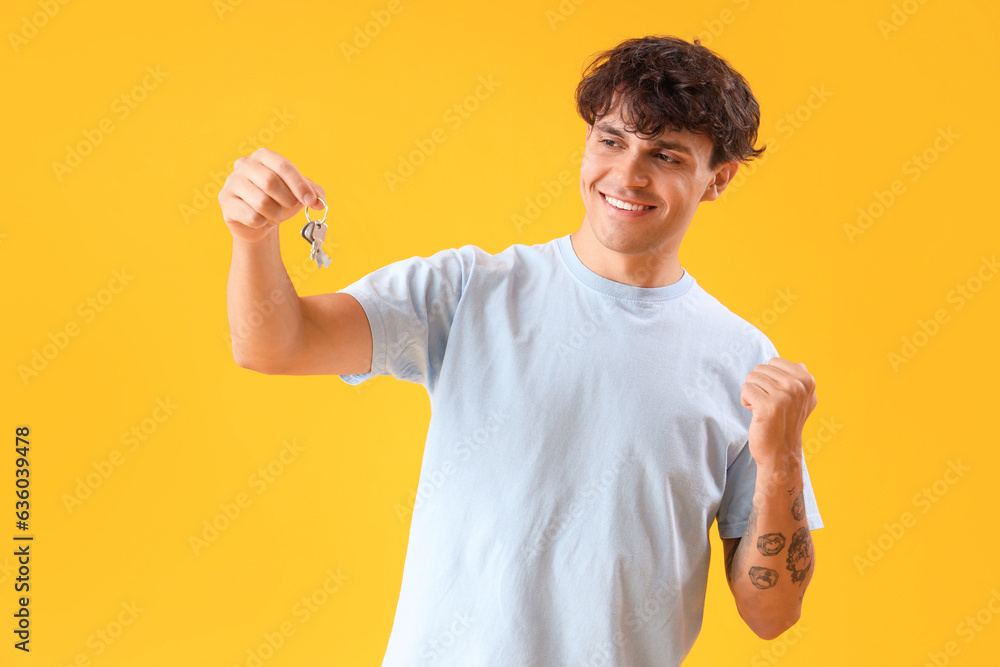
{"x": 620, "y": 205}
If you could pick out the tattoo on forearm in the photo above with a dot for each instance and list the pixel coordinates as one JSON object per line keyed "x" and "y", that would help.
{"x": 770, "y": 544}
{"x": 800, "y": 555}
{"x": 763, "y": 577}
{"x": 799, "y": 507}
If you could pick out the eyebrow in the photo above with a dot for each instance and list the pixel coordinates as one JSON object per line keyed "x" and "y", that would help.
{"x": 659, "y": 143}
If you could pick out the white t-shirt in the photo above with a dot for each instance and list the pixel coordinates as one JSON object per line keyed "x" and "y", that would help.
{"x": 584, "y": 436}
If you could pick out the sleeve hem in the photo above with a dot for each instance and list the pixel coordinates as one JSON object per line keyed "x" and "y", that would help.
{"x": 377, "y": 327}
{"x": 731, "y": 530}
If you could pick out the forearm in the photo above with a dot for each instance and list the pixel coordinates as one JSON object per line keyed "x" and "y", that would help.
{"x": 773, "y": 562}
{"x": 265, "y": 314}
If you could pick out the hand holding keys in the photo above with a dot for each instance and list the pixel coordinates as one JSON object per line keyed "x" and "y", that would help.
{"x": 315, "y": 233}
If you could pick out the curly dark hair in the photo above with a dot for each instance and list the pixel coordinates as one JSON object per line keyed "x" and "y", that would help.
{"x": 664, "y": 82}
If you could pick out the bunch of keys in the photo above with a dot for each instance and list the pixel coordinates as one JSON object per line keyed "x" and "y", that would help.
{"x": 315, "y": 233}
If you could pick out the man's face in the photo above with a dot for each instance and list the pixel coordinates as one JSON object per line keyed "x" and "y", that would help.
{"x": 668, "y": 172}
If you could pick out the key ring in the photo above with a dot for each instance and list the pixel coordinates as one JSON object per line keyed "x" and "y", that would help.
{"x": 326, "y": 209}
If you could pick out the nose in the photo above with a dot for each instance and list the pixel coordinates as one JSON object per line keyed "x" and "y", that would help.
{"x": 630, "y": 171}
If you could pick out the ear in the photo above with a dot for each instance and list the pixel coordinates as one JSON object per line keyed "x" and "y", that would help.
{"x": 590, "y": 128}
{"x": 722, "y": 176}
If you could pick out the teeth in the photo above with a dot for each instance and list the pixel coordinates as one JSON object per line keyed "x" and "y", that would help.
{"x": 625, "y": 206}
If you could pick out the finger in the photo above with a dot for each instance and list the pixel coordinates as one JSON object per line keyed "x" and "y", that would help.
{"x": 261, "y": 203}
{"x": 783, "y": 364}
{"x": 318, "y": 191}
{"x": 290, "y": 176}
{"x": 771, "y": 373}
{"x": 242, "y": 213}
{"x": 269, "y": 182}
{"x": 781, "y": 382}
{"x": 784, "y": 371}
{"x": 752, "y": 394}
{"x": 766, "y": 384}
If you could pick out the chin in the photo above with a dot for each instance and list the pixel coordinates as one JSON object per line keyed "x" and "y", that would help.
{"x": 623, "y": 238}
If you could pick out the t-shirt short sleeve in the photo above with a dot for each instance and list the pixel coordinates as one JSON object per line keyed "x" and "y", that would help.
{"x": 410, "y": 305}
{"x": 737, "y": 498}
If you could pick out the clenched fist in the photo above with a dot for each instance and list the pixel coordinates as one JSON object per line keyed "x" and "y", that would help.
{"x": 264, "y": 190}
{"x": 781, "y": 395}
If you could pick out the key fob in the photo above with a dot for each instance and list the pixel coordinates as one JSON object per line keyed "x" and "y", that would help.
{"x": 308, "y": 230}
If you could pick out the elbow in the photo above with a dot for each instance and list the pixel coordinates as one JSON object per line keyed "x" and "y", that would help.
{"x": 252, "y": 365}
{"x": 773, "y": 628}
{"x": 771, "y": 622}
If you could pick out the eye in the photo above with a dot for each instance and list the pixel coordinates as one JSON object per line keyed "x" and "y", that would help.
{"x": 667, "y": 157}
{"x": 608, "y": 142}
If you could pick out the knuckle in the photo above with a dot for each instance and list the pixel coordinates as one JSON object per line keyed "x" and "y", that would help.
{"x": 255, "y": 220}
{"x": 270, "y": 181}
{"x": 260, "y": 201}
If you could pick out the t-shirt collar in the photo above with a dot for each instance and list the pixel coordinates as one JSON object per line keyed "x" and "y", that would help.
{"x": 617, "y": 289}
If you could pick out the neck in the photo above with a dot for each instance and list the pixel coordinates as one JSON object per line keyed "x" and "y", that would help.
{"x": 657, "y": 266}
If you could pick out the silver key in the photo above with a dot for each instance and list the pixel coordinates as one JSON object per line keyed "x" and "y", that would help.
{"x": 315, "y": 233}
{"x": 316, "y": 253}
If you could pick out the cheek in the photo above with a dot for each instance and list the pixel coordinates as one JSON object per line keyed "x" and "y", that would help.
{"x": 684, "y": 195}
{"x": 584, "y": 178}
{"x": 587, "y": 174}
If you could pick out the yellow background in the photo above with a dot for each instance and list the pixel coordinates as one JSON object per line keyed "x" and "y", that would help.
{"x": 887, "y": 94}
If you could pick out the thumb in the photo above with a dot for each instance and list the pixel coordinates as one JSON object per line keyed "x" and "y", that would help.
{"x": 317, "y": 192}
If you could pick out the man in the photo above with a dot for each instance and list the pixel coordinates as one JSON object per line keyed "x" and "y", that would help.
{"x": 593, "y": 409}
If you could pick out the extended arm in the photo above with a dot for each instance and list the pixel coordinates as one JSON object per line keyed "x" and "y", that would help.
{"x": 275, "y": 331}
